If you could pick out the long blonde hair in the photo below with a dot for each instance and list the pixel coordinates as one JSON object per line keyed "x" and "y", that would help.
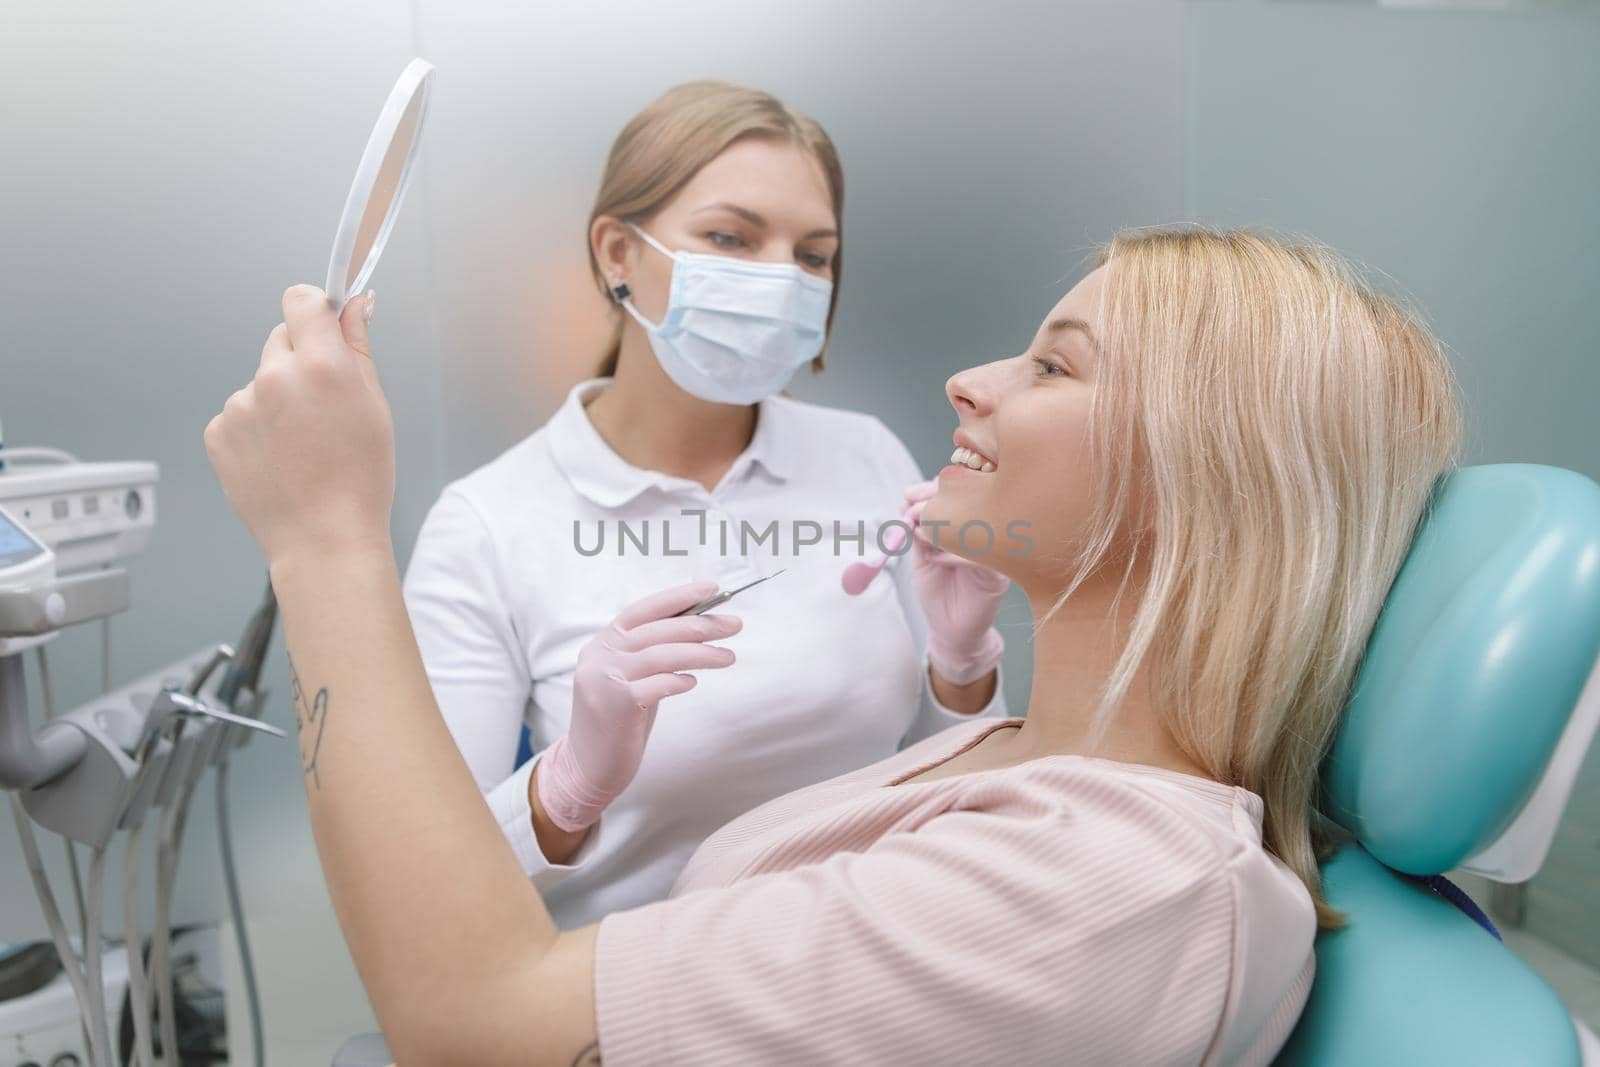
{"x": 682, "y": 130}
{"x": 1290, "y": 422}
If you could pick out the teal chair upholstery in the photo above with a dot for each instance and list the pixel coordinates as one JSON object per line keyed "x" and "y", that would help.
{"x": 1473, "y": 707}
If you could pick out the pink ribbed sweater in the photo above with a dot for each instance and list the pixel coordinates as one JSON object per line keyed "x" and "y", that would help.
{"x": 1069, "y": 910}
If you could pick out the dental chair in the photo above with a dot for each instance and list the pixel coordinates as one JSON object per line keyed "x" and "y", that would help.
{"x": 1473, "y": 709}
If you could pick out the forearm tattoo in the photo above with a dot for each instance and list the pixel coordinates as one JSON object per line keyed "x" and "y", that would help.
{"x": 589, "y": 1057}
{"x": 311, "y": 719}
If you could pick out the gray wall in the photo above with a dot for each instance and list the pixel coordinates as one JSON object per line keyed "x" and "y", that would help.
{"x": 167, "y": 174}
{"x": 1456, "y": 151}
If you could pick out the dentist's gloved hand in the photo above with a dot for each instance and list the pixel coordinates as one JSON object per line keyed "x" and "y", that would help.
{"x": 624, "y": 672}
{"x": 959, "y": 597}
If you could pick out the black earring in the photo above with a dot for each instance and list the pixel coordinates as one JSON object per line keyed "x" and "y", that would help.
{"x": 621, "y": 292}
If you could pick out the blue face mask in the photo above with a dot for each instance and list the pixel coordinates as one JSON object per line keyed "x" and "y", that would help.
{"x": 735, "y": 331}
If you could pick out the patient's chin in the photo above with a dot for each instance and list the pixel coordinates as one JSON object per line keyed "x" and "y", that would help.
{"x": 961, "y": 532}
{"x": 940, "y": 510}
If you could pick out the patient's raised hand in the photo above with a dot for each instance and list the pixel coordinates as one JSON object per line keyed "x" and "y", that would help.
{"x": 305, "y": 451}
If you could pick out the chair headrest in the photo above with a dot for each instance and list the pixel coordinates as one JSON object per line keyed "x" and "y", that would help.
{"x": 1474, "y": 668}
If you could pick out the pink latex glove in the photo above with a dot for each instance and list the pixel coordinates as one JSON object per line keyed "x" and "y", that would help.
{"x": 624, "y": 673}
{"x": 959, "y": 597}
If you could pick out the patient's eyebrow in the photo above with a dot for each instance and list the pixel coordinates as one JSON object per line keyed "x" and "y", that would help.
{"x": 1070, "y": 323}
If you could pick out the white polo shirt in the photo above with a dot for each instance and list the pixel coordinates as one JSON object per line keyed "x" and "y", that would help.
{"x": 521, "y": 562}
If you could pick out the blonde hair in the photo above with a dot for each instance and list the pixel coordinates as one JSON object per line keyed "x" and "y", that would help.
{"x": 1289, "y": 424}
{"x": 682, "y": 130}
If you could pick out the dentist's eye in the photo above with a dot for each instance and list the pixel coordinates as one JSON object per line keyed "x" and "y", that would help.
{"x": 1047, "y": 368}
{"x": 724, "y": 240}
{"x": 813, "y": 261}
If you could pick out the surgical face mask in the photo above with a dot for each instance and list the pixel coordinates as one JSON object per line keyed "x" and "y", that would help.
{"x": 735, "y": 331}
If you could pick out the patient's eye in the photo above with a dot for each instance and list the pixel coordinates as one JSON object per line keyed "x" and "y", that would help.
{"x": 1049, "y": 368}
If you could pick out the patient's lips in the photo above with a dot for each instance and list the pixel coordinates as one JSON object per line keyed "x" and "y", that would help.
{"x": 966, "y": 457}
{"x": 972, "y": 452}
{"x": 969, "y": 456}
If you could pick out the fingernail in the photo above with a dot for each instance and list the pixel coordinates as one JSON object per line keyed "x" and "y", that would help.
{"x": 372, "y": 300}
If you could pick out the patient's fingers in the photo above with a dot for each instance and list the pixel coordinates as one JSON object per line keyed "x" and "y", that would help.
{"x": 276, "y": 347}
{"x": 310, "y": 319}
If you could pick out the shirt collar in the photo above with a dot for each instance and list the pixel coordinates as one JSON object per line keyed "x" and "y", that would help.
{"x": 608, "y": 480}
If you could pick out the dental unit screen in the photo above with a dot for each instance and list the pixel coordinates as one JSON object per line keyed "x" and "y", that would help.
{"x": 15, "y": 546}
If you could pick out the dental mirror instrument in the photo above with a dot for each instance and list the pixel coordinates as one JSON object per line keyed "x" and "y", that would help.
{"x": 722, "y": 598}
{"x": 380, "y": 185}
{"x": 859, "y": 574}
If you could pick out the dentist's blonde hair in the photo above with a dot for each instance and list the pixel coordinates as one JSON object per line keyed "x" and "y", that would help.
{"x": 1269, "y": 429}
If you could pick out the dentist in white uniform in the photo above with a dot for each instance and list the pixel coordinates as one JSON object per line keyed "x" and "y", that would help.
{"x": 717, "y": 231}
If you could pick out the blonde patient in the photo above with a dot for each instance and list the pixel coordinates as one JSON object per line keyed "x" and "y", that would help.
{"x": 1221, "y": 444}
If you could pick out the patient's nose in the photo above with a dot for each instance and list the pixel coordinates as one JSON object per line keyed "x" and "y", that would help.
{"x": 972, "y": 391}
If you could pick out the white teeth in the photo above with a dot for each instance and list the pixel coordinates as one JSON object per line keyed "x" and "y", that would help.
{"x": 966, "y": 457}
